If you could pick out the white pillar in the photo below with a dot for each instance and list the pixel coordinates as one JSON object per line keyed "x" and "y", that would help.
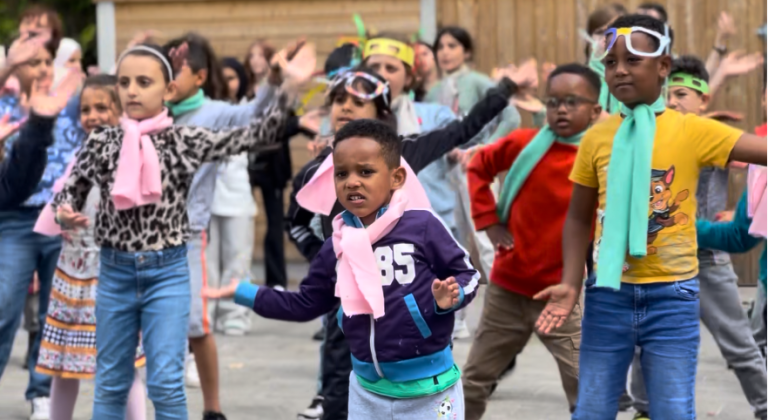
{"x": 105, "y": 33}
{"x": 428, "y": 20}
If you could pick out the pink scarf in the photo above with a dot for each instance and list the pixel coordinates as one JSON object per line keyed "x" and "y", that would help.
{"x": 46, "y": 222}
{"x": 358, "y": 279}
{"x": 756, "y": 200}
{"x": 137, "y": 179}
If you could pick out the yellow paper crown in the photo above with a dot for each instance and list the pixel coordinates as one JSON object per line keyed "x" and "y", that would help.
{"x": 386, "y": 46}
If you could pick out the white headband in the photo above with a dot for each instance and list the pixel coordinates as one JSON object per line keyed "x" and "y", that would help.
{"x": 151, "y": 51}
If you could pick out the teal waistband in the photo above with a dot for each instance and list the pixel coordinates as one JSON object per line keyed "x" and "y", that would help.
{"x": 406, "y": 370}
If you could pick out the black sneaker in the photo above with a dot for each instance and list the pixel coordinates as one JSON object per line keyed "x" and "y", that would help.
{"x": 625, "y": 402}
{"x": 212, "y": 415}
{"x": 319, "y": 335}
{"x": 314, "y": 411}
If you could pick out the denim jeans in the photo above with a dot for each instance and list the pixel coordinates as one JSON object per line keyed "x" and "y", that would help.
{"x": 662, "y": 319}
{"x": 147, "y": 292}
{"x": 21, "y": 253}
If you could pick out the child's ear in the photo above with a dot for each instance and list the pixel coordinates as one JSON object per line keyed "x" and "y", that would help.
{"x": 398, "y": 178}
{"x": 170, "y": 92}
{"x": 705, "y": 98}
{"x": 665, "y": 65}
{"x": 597, "y": 112}
{"x": 200, "y": 77}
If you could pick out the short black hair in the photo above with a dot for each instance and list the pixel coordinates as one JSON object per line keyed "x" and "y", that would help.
{"x": 377, "y": 131}
{"x": 461, "y": 35}
{"x": 587, "y": 73}
{"x": 340, "y": 57}
{"x": 647, "y": 22}
{"x": 656, "y": 7}
{"x": 690, "y": 64}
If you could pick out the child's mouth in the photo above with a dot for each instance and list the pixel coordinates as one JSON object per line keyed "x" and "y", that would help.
{"x": 356, "y": 199}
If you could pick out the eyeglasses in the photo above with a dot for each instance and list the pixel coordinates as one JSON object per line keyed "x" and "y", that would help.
{"x": 612, "y": 34}
{"x": 350, "y": 79}
{"x": 570, "y": 102}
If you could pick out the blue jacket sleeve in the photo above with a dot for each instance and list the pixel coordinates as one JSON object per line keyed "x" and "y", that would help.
{"x": 730, "y": 236}
{"x": 316, "y": 295}
{"x": 23, "y": 168}
{"x": 449, "y": 259}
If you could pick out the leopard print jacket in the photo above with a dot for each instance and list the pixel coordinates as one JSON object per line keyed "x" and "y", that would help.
{"x": 181, "y": 150}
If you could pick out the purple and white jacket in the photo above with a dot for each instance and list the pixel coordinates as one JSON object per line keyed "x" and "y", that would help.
{"x": 412, "y": 340}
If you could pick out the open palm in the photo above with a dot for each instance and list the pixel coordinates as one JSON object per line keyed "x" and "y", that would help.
{"x": 44, "y": 102}
{"x": 562, "y": 298}
{"x": 26, "y": 47}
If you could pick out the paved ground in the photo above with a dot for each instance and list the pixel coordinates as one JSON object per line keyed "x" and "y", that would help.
{"x": 270, "y": 374}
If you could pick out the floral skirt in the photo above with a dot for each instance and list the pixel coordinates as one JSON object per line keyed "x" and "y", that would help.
{"x": 68, "y": 346}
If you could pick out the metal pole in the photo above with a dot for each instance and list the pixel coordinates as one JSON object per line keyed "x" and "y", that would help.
{"x": 428, "y": 20}
{"x": 105, "y": 33}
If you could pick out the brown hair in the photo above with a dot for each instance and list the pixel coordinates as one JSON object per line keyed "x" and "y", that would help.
{"x": 268, "y": 50}
{"x": 601, "y": 18}
{"x": 34, "y": 11}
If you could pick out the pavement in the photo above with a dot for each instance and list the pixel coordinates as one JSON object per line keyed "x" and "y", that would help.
{"x": 271, "y": 374}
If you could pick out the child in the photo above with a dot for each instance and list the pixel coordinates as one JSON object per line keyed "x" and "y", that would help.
{"x": 22, "y": 252}
{"x": 527, "y": 260}
{"x": 142, "y": 225}
{"x": 646, "y": 290}
{"x": 418, "y": 151}
{"x": 68, "y": 347}
{"x": 198, "y": 101}
{"x": 720, "y": 305}
{"x": 400, "y": 275}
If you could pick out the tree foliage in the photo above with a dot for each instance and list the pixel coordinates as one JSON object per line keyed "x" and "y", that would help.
{"x": 78, "y": 17}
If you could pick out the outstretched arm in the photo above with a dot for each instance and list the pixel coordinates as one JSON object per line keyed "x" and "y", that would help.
{"x": 23, "y": 168}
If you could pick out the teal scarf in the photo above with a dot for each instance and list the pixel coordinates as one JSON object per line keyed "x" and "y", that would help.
{"x": 190, "y": 104}
{"x": 610, "y": 104}
{"x": 528, "y": 158}
{"x": 629, "y": 181}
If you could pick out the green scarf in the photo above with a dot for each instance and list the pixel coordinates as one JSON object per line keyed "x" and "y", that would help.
{"x": 190, "y": 104}
{"x": 610, "y": 104}
{"x": 629, "y": 181}
{"x": 528, "y": 158}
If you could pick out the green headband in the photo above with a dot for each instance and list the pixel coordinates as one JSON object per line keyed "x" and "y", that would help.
{"x": 686, "y": 80}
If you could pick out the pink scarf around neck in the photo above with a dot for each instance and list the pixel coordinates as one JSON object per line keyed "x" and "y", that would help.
{"x": 138, "y": 180}
{"x": 358, "y": 279}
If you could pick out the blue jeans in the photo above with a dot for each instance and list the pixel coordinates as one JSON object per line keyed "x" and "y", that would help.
{"x": 21, "y": 253}
{"x": 147, "y": 291}
{"x": 660, "y": 318}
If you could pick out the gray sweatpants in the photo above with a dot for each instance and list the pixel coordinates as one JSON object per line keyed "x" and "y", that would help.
{"x": 722, "y": 314}
{"x": 365, "y": 405}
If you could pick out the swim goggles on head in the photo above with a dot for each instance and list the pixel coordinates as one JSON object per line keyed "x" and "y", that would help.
{"x": 613, "y": 34}
{"x": 350, "y": 79}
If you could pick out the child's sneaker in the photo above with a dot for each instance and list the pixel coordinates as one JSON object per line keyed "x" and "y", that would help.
{"x": 191, "y": 378}
{"x": 314, "y": 411}
{"x": 41, "y": 409}
{"x": 212, "y": 415}
{"x": 460, "y": 330}
{"x": 641, "y": 416}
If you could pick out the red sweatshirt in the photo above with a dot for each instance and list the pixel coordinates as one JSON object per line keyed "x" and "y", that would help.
{"x": 537, "y": 216}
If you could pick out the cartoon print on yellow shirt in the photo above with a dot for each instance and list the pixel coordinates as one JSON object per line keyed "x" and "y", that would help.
{"x": 663, "y": 206}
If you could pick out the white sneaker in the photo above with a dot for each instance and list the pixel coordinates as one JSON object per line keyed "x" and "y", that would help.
{"x": 460, "y": 330}
{"x": 191, "y": 378}
{"x": 314, "y": 411}
{"x": 41, "y": 409}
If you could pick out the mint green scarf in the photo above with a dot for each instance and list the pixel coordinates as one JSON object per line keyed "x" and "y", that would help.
{"x": 609, "y": 103}
{"x": 190, "y": 104}
{"x": 528, "y": 158}
{"x": 629, "y": 182}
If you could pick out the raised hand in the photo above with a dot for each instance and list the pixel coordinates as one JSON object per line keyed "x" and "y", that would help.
{"x": 143, "y": 36}
{"x": 69, "y": 218}
{"x": 48, "y": 103}
{"x": 446, "y": 293}
{"x": 7, "y": 128}
{"x": 295, "y": 64}
{"x": 738, "y": 63}
{"x": 547, "y": 69}
{"x": 725, "y": 27}
{"x": 562, "y": 299}
{"x": 312, "y": 120}
{"x": 528, "y": 102}
{"x": 26, "y": 47}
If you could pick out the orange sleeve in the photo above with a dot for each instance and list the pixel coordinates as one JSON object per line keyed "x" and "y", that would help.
{"x": 488, "y": 162}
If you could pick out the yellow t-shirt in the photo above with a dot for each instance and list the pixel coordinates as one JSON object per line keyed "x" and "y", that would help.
{"x": 683, "y": 145}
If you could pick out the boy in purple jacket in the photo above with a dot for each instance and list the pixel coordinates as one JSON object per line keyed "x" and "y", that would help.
{"x": 400, "y": 276}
